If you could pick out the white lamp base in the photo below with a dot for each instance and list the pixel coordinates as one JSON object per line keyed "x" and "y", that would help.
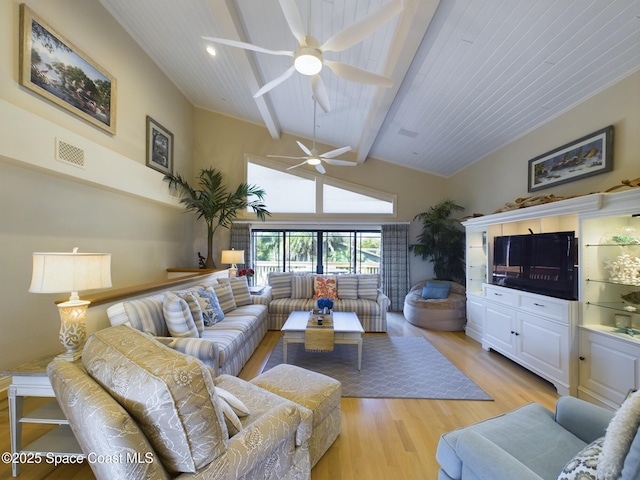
{"x": 73, "y": 331}
{"x": 233, "y": 271}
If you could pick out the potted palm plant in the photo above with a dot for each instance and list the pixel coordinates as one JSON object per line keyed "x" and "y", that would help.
{"x": 441, "y": 240}
{"x": 214, "y": 203}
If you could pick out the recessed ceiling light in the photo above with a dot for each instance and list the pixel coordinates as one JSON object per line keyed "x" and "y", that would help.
{"x": 211, "y": 51}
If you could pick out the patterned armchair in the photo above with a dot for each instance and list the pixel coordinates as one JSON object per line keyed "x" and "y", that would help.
{"x": 157, "y": 413}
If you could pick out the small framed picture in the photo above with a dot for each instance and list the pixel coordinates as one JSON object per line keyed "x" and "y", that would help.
{"x": 159, "y": 147}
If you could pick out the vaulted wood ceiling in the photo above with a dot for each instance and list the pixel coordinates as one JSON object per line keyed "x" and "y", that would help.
{"x": 469, "y": 75}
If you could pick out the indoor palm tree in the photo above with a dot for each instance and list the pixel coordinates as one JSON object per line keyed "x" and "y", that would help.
{"x": 442, "y": 241}
{"x": 215, "y": 204}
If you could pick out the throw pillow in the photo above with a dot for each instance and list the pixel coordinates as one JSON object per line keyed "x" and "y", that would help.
{"x": 225, "y": 297}
{"x": 436, "y": 291}
{"x": 348, "y": 287}
{"x": 583, "y": 466}
{"x": 178, "y": 316}
{"x": 208, "y": 304}
{"x": 302, "y": 286}
{"x": 234, "y": 402}
{"x": 325, "y": 287}
{"x": 194, "y": 306}
{"x": 145, "y": 314}
{"x": 368, "y": 287}
{"x": 620, "y": 433}
{"x": 169, "y": 394}
{"x": 240, "y": 290}
{"x": 280, "y": 283}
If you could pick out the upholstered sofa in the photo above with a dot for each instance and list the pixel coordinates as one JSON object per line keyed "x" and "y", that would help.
{"x": 351, "y": 293}
{"x": 429, "y": 311}
{"x": 142, "y": 410}
{"x": 218, "y": 322}
{"x": 533, "y": 443}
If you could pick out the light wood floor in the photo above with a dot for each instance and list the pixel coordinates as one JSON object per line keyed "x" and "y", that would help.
{"x": 381, "y": 438}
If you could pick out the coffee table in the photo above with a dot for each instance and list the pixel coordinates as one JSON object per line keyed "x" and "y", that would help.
{"x": 347, "y": 329}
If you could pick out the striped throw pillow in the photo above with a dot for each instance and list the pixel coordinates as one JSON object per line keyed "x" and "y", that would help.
{"x": 280, "y": 283}
{"x": 178, "y": 317}
{"x": 348, "y": 287}
{"x": 302, "y": 286}
{"x": 225, "y": 297}
{"x": 368, "y": 287}
{"x": 240, "y": 290}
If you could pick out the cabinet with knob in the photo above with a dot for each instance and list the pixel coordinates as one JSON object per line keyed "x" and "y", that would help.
{"x": 533, "y": 330}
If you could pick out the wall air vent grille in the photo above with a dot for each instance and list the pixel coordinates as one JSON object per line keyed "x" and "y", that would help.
{"x": 67, "y": 153}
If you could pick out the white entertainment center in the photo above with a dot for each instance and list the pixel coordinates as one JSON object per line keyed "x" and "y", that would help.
{"x": 575, "y": 345}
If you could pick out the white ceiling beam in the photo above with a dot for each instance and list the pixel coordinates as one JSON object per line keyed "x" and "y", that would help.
{"x": 228, "y": 20}
{"x": 412, "y": 25}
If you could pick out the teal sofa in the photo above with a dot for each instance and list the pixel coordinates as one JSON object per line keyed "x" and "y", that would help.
{"x": 533, "y": 443}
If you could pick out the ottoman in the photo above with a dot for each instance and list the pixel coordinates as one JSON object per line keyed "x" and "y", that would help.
{"x": 317, "y": 392}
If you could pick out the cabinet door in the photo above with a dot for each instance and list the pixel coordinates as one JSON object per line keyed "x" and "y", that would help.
{"x": 544, "y": 345}
{"x": 475, "y": 317}
{"x": 499, "y": 328}
{"x": 608, "y": 367}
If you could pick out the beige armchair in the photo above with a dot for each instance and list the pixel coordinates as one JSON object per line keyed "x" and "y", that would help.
{"x": 142, "y": 410}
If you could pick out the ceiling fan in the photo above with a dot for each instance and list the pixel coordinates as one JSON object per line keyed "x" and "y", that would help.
{"x": 314, "y": 158}
{"x": 308, "y": 57}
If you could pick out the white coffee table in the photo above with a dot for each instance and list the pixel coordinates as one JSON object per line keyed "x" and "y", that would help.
{"x": 347, "y": 329}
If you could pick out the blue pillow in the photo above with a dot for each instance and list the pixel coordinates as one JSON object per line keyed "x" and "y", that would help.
{"x": 436, "y": 291}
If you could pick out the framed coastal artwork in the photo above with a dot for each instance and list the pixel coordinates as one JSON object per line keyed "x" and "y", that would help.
{"x": 54, "y": 68}
{"x": 587, "y": 156}
{"x": 159, "y": 147}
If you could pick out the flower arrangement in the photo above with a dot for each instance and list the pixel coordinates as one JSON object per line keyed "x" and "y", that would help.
{"x": 325, "y": 303}
{"x": 249, "y": 272}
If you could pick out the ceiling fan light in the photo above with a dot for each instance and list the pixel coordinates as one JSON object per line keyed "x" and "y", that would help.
{"x": 308, "y": 61}
{"x": 314, "y": 161}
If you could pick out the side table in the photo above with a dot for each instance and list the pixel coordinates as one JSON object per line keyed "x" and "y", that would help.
{"x": 30, "y": 380}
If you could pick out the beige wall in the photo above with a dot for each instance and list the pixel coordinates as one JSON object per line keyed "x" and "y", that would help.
{"x": 115, "y": 204}
{"x": 501, "y": 177}
{"x": 222, "y": 142}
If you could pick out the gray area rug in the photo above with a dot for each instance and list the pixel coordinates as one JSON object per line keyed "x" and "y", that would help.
{"x": 392, "y": 367}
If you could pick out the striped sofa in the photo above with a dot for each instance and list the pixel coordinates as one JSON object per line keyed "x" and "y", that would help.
{"x": 355, "y": 293}
{"x": 224, "y": 343}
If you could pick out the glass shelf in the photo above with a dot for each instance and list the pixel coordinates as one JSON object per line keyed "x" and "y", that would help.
{"x": 618, "y": 306}
{"x": 612, "y": 245}
{"x": 611, "y": 282}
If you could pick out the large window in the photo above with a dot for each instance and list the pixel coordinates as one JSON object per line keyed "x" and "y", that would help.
{"x": 300, "y": 191}
{"x": 320, "y": 251}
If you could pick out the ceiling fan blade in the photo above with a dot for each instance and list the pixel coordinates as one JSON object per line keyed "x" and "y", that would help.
{"x": 355, "y": 74}
{"x": 304, "y": 148}
{"x": 321, "y": 169}
{"x": 248, "y": 46}
{"x": 275, "y": 82}
{"x": 298, "y": 165}
{"x": 289, "y": 158}
{"x": 336, "y": 152}
{"x": 294, "y": 20}
{"x": 340, "y": 163}
{"x": 360, "y": 30}
{"x": 320, "y": 93}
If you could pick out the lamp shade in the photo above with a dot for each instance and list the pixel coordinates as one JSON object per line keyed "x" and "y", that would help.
{"x": 70, "y": 272}
{"x": 232, "y": 257}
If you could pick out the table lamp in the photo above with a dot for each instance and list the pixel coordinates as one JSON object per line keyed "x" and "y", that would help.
{"x": 232, "y": 257}
{"x": 71, "y": 272}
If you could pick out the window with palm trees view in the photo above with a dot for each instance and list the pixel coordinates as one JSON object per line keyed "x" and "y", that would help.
{"x": 320, "y": 251}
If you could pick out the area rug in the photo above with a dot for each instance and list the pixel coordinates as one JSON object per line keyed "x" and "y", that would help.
{"x": 392, "y": 367}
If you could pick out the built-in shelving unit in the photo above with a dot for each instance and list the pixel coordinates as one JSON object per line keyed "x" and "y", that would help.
{"x": 598, "y": 354}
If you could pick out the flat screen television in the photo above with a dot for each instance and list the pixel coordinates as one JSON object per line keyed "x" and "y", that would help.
{"x": 543, "y": 263}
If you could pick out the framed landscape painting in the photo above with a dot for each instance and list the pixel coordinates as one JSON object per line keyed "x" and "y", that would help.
{"x": 587, "y": 156}
{"x": 54, "y": 68}
{"x": 159, "y": 147}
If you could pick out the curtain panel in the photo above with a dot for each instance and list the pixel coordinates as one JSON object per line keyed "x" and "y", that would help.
{"x": 241, "y": 240}
{"x": 395, "y": 263}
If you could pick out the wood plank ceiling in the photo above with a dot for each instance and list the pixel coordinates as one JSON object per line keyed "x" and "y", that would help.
{"x": 469, "y": 75}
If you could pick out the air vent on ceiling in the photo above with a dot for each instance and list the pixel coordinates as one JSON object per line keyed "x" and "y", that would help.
{"x": 407, "y": 133}
{"x": 67, "y": 153}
